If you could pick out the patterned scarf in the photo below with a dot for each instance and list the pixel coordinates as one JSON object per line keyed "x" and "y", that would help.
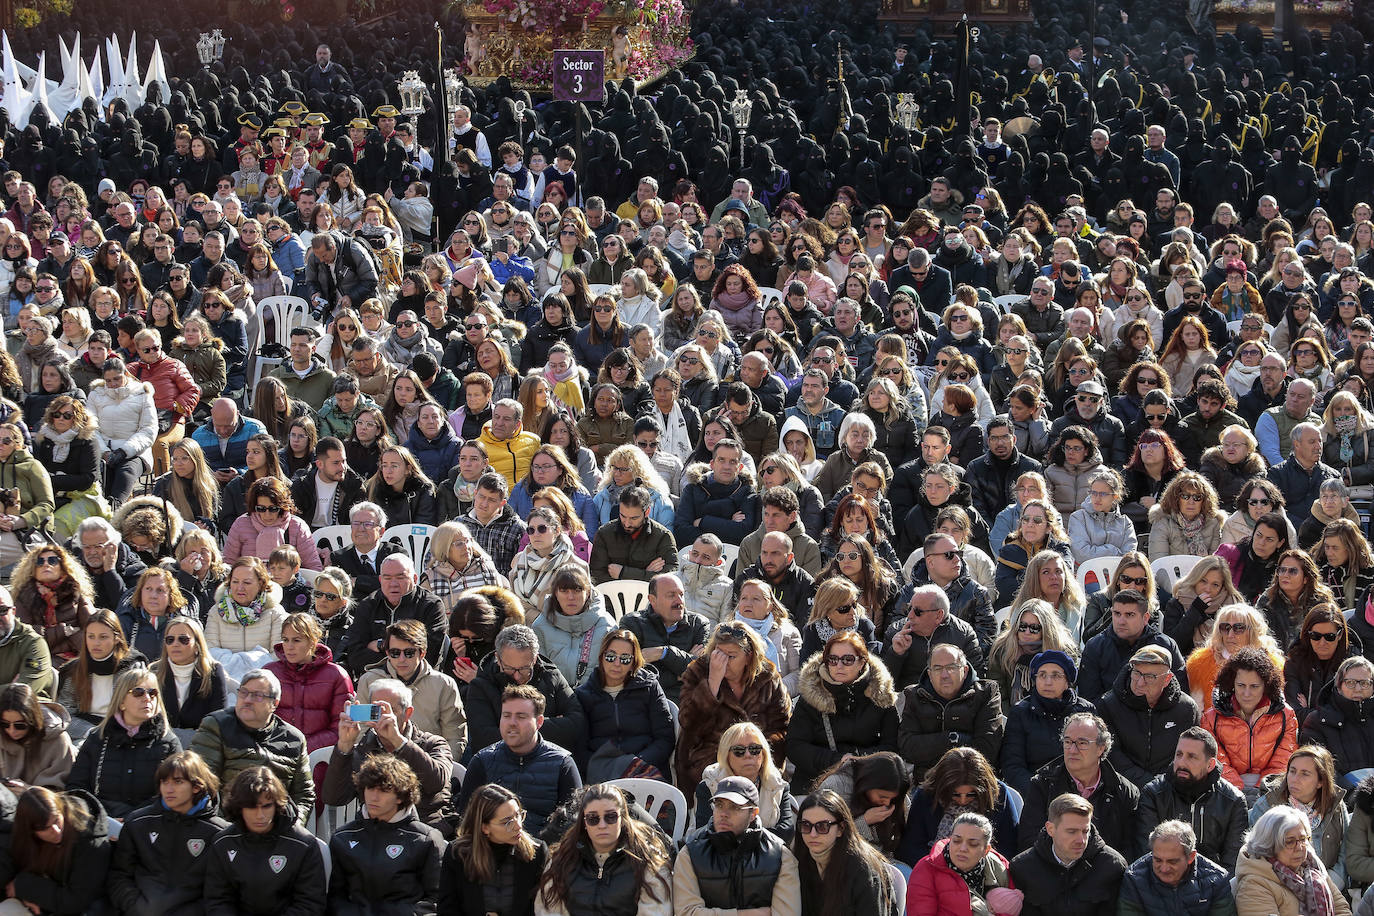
{"x": 49, "y": 596}
{"x": 230, "y": 611}
{"x": 1192, "y": 533}
{"x": 947, "y": 820}
{"x": 975, "y": 876}
{"x": 1308, "y": 885}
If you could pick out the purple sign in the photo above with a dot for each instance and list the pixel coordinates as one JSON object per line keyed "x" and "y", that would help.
{"x": 579, "y": 76}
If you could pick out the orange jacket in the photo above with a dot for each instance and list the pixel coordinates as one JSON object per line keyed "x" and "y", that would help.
{"x": 1261, "y": 747}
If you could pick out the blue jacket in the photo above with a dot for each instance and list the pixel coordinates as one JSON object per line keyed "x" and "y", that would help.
{"x": 522, "y": 501}
{"x": 515, "y": 266}
{"x": 236, "y": 450}
{"x": 544, "y": 778}
{"x": 1204, "y": 891}
{"x": 605, "y": 504}
{"x": 289, "y": 256}
{"x": 438, "y": 456}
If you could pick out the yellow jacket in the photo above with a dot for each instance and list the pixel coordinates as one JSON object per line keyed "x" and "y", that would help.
{"x": 509, "y": 457}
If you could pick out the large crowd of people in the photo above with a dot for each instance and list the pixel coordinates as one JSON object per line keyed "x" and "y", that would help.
{"x": 1000, "y": 504}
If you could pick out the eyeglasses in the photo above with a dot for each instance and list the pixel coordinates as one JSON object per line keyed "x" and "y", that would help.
{"x": 1081, "y": 744}
{"x": 851, "y": 555}
{"x": 1294, "y": 842}
{"x": 365, "y": 525}
{"x": 1028, "y": 628}
{"x": 144, "y": 692}
{"x": 958, "y": 376}
{"x": 1357, "y": 683}
{"x": 20, "y": 726}
{"x": 1087, "y": 399}
{"x": 739, "y": 750}
{"x": 611, "y": 658}
{"x": 848, "y": 661}
{"x": 820, "y": 828}
{"x": 1045, "y": 675}
{"x": 594, "y": 818}
{"x": 946, "y": 669}
{"x": 147, "y": 350}
{"x": 324, "y": 596}
{"x": 603, "y": 309}
{"x": 1017, "y": 351}
{"x": 48, "y": 560}
{"x": 1147, "y": 678}
{"x": 1156, "y": 417}
{"x": 256, "y": 696}
{"x": 1191, "y": 497}
{"x": 1134, "y": 581}
{"x": 708, "y": 334}
{"x": 1147, "y": 380}
{"x": 174, "y": 639}
{"x": 408, "y": 653}
{"x": 405, "y": 324}
{"x": 953, "y": 318}
{"x": 1232, "y": 627}
{"x": 1323, "y": 637}
{"x": 1192, "y": 296}
{"x": 263, "y": 510}
{"x": 474, "y": 325}
{"x": 1290, "y": 570}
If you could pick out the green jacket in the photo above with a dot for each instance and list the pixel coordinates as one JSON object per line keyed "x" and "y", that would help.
{"x": 229, "y": 747}
{"x": 614, "y": 545}
{"x": 206, "y": 365}
{"x": 24, "y": 658}
{"x": 314, "y": 389}
{"x": 23, "y": 471}
{"x": 331, "y": 421}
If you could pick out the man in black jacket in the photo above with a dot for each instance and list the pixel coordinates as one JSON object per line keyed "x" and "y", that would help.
{"x": 516, "y": 660}
{"x": 949, "y": 707}
{"x": 113, "y": 566}
{"x": 325, "y": 495}
{"x": 1131, "y": 637}
{"x": 669, "y": 635}
{"x": 1145, "y": 709}
{"x": 339, "y": 273}
{"x": 1069, "y": 871}
{"x": 993, "y": 476}
{"x": 1195, "y": 793}
{"x": 398, "y": 596}
{"x": 777, "y": 565}
{"x": 927, "y": 623}
{"x": 942, "y": 565}
{"x": 1084, "y": 768}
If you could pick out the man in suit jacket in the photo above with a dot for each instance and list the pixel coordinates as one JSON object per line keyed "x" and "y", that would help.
{"x": 363, "y": 558}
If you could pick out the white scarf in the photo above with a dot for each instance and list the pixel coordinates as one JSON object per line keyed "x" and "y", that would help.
{"x": 61, "y": 442}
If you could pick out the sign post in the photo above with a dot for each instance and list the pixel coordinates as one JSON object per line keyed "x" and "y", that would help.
{"x": 579, "y": 75}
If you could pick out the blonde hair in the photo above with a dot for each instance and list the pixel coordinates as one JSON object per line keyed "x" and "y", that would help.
{"x": 743, "y": 733}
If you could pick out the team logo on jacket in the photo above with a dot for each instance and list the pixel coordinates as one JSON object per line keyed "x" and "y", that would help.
{"x": 393, "y": 850}
{"x": 276, "y": 863}
{"x": 195, "y": 847}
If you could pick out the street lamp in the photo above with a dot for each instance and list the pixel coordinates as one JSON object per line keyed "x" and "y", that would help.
{"x": 740, "y": 109}
{"x": 412, "y": 92}
{"x": 908, "y": 112}
{"x": 210, "y": 47}
{"x": 520, "y": 122}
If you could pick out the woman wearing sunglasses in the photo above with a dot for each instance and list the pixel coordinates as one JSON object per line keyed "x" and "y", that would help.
{"x": 491, "y": 852}
{"x": 314, "y": 690}
{"x": 119, "y": 759}
{"x": 608, "y": 864}
{"x": 839, "y": 871}
{"x": 1296, "y": 589}
{"x": 1323, "y": 644}
{"x": 1190, "y": 614}
{"x": 1186, "y": 519}
{"x": 269, "y": 522}
{"x": 193, "y": 684}
{"x": 53, "y": 594}
{"x": 629, "y": 721}
{"x": 1035, "y": 629}
{"x": 247, "y": 612}
{"x": 846, "y": 704}
{"x": 34, "y": 747}
{"x": 743, "y": 751}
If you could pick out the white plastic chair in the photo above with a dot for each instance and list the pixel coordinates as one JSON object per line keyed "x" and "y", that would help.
{"x": 414, "y": 539}
{"x": 652, "y": 795}
{"x": 332, "y": 817}
{"x": 898, "y": 886}
{"x": 1169, "y": 570}
{"x": 623, "y": 597}
{"x": 911, "y": 562}
{"x": 1234, "y": 328}
{"x": 1002, "y": 618}
{"x": 1101, "y": 568}
{"x": 1004, "y": 303}
{"x": 597, "y": 289}
{"x": 287, "y": 313}
{"x": 768, "y": 295}
{"x": 335, "y": 537}
{"x": 308, "y": 576}
{"x": 262, "y": 367}
{"x": 729, "y": 558}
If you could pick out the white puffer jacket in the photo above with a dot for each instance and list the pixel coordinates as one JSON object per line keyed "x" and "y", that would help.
{"x": 127, "y": 417}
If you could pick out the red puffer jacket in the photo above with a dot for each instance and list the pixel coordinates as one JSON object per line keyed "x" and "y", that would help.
{"x": 313, "y": 695}
{"x": 1261, "y": 747}
{"x": 934, "y": 889}
{"x": 172, "y": 384}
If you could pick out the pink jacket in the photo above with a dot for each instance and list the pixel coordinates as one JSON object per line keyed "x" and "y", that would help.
{"x": 820, "y": 289}
{"x": 250, "y": 537}
{"x": 313, "y": 696}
